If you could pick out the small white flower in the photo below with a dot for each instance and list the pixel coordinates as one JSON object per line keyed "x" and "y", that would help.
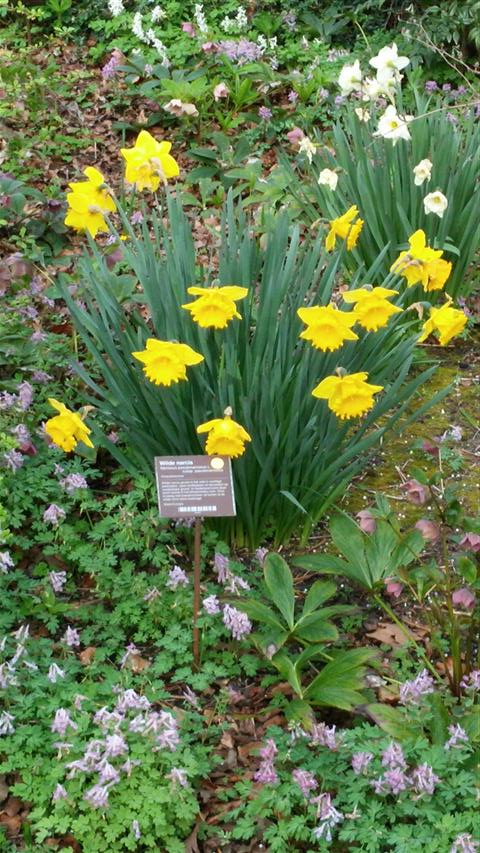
{"x": 362, "y": 115}
{"x": 435, "y": 203}
{"x": 371, "y": 89}
{"x": 157, "y": 14}
{"x": 307, "y": 147}
{"x": 387, "y": 80}
{"x": 350, "y": 78}
{"x": 388, "y": 58}
{"x": 393, "y": 126}
{"x": 328, "y": 178}
{"x": 422, "y": 172}
{"x": 116, "y": 7}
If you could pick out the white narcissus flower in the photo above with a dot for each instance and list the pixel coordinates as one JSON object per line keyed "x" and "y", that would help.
{"x": 307, "y": 147}
{"x": 350, "y": 78}
{"x": 435, "y": 203}
{"x": 362, "y": 115}
{"x": 328, "y": 178}
{"x": 388, "y": 57}
{"x": 422, "y": 172}
{"x": 221, "y": 90}
{"x": 371, "y": 89}
{"x": 387, "y": 80}
{"x": 393, "y": 126}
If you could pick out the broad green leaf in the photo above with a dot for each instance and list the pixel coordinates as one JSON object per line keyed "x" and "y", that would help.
{"x": 279, "y": 582}
{"x": 318, "y": 593}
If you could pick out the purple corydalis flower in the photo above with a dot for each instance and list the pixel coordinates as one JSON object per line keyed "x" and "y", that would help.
{"x": 14, "y": 460}
{"x": 237, "y": 622}
{"x": 339, "y": 100}
{"x": 72, "y": 482}
{"x": 447, "y": 87}
{"x": 97, "y": 796}
{"x": 265, "y": 113}
{"x": 235, "y": 584}
{"x": 305, "y": 780}
{"x": 261, "y": 553}
{"x": 57, "y": 580}
{"x": 178, "y": 777}
{"x": 293, "y": 96}
{"x": 55, "y": 673}
{"x": 38, "y": 337}
{"x": 21, "y": 433}
{"x": 323, "y": 735}
{"x": 415, "y": 492}
{"x": 6, "y": 724}
{"x": 266, "y": 774}
{"x": 53, "y": 514}
{"x": 6, "y": 562}
{"x": 136, "y": 218}
{"x": 151, "y": 594}
{"x": 458, "y": 736}
{"x": 361, "y": 761}
{"x": 211, "y": 605}
{"x": 452, "y": 118}
{"x": 131, "y": 700}
{"x": 393, "y": 757}
{"x": 59, "y": 793}
{"x": 71, "y": 637}
{"x": 423, "y": 779}
{"x": 327, "y": 814}
{"x": 41, "y": 376}
{"x": 464, "y": 843}
{"x": 136, "y": 830}
{"x": 176, "y": 578}
{"x": 221, "y": 567}
{"x": 431, "y": 86}
{"x": 471, "y": 681}
{"x": 411, "y": 692}
{"x": 295, "y": 135}
{"x": 396, "y": 780}
{"x": 25, "y": 395}
{"x": 115, "y": 745}
{"x": 240, "y": 51}
{"x": 7, "y": 400}
{"x": 61, "y": 722}
{"x": 110, "y": 68}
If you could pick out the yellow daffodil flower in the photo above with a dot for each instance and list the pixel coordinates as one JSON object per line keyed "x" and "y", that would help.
{"x": 166, "y": 362}
{"x": 327, "y": 327}
{"x": 88, "y": 202}
{"x": 372, "y": 310}
{"x": 149, "y": 162}
{"x": 67, "y": 428}
{"x": 215, "y": 306}
{"x": 447, "y": 321}
{"x": 422, "y": 264}
{"x": 225, "y": 437}
{"x": 345, "y": 228}
{"x": 347, "y": 396}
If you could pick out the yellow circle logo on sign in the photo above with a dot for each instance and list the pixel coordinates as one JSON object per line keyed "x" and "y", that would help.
{"x": 217, "y": 463}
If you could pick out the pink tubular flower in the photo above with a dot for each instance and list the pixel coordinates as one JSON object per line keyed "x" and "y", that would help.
{"x": 471, "y": 541}
{"x": 211, "y": 605}
{"x": 61, "y": 722}
{"x": 424, "y": 779}
{"x": 53, "y": 515}
{"x": 393, "y": 757}
{"x": 393, "y": 588}
{"x": 295, "y": 135}
{"x": 176, "y": 578}
{"x": 415, "y": 492}
{"x": 237, "y": 622}
{"x": 463, "y": 598}
{"x": 189, "y": 29}
{"x": 366, "y": 521}
{"x": 429, "y": 530}
{"x": 411, "y": 692}
{"x": 220, "y": 91}
{"x": 57, "y": 580}
{"x": 361, "y": 761}
{"x": 178, "y": 777}
{"x": 457, "y": 737}
{"x": 323, "y": 735}
{"x": 305, "y": 780}
{"x": 59, "y": 793}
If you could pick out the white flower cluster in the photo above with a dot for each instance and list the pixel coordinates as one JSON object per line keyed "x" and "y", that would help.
{"x": 269, "y": 45}
{"x": 150, "y": 37}
{"x": 237, "y": 24}
{"x": 158, "y": 14}
{"x": 200, "y": 19}
{"x": 115, "y": 7}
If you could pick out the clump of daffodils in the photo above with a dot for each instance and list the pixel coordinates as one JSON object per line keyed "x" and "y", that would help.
{"x": 387, "y": 64}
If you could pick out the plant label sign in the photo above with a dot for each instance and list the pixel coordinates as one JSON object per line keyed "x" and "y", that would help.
{"x": 194, "y": 486}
